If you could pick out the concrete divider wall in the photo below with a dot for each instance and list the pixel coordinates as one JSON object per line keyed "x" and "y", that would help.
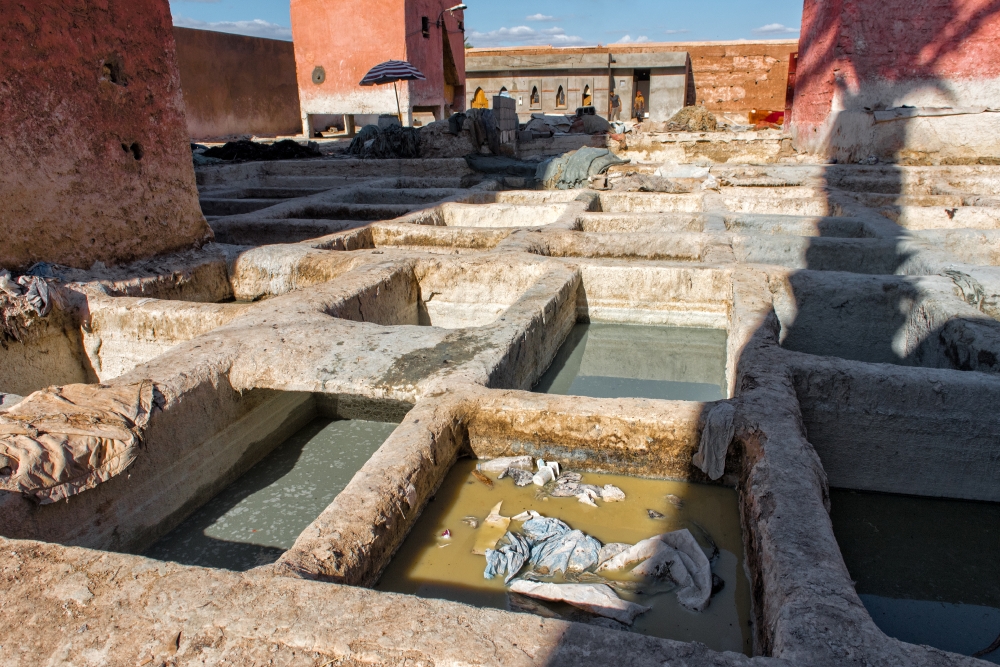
{"x": 236, "y": 85}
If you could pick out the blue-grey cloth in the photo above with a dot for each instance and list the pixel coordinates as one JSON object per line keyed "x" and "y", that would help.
{"x": 542, "y": 528}
{"x": 547, "y": 544}
{"x": 509, "y": 558}
{"x": 574, "y": 169}
{"x": 572, "y": 551}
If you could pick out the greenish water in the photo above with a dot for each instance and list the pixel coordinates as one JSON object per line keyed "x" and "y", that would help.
{"x": 621, "y": 360}
{"x": 926, "y": 569}
{"x": 259, "y": 516}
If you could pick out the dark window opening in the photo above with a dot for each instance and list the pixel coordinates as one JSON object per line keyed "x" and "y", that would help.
{"x": 561, "y": 98}
{"x": 425, "y": 27}
{"x": 536, "y": 99}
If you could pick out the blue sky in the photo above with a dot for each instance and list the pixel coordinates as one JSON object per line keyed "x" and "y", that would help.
{"x": 556, "y": 22}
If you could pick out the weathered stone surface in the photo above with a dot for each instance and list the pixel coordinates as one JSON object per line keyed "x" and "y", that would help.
{"x": 859, "y": 305}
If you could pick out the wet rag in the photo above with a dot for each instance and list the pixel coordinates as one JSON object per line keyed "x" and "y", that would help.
{"x": 715, "y": 438}
{"x": 676, "y": 556}
{"x": 574, "y": 169}
{"x": 598, "y": 599}
{"x": 62, "y": 441}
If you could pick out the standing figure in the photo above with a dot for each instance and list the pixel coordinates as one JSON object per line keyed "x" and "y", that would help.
{"x": 616, "y": 107}
{"x": 639, "y": 108}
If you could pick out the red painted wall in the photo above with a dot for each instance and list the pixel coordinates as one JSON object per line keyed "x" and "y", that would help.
{"x": 878, "y": 55}
{"x": 95, "y": 161}
{"x": 348, "y": 39}
{"x": 429, "y": 51}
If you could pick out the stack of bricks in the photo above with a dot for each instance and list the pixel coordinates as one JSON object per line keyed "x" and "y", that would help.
{"x": 505, "y": 112}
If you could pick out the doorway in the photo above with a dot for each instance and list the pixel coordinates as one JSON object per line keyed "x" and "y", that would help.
{"x": 452, "y": 82}
{"x": 640, "y": 85}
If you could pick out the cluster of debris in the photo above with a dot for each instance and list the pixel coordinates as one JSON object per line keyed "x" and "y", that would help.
{"x": 566, "y": 485}
{"x": 693, "y": 119}
{"x": 246, "y": 150}
{"x": 24, "y": 298}
{"x": 546, "y": 559}
{"x": 385, "y": 143}
{"x": 543, "y": 126}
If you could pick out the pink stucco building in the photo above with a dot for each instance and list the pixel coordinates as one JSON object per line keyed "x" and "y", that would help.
{"x": 337, "y": 42}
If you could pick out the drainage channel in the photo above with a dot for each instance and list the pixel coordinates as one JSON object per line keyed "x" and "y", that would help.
{"x": 258, "y": 517}
{"x": 623, "y": 360}
{"x": 438, "y": 561}
{"x": 926, "y": 569}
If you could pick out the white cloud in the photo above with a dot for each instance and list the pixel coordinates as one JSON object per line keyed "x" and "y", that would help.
{"x": 775, "y": 29}
{"x": 523, "y": 35}
{"x": 675, "y": 32}
{"x": 533, "y": 17}
{"x": 627, "y": 39}
{"x": 255, "y": 28}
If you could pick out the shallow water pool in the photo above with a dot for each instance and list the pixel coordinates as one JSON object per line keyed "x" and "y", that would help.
{"x": 631, "y": 361}
{"x": 926, "y": 569}
{"x": 259, "y": 516}
{"x": 429, "y": 565}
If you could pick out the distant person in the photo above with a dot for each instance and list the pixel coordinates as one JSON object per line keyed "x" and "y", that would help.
{"x": 639, "y": 108}
{"x": 616, "y": 108}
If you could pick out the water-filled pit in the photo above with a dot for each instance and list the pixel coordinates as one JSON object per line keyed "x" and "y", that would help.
{"x": 433, "y": 564}
{"x": 623, "y": 360}
{"x": 259, "y": 516}
{"x": 926, "y": 569}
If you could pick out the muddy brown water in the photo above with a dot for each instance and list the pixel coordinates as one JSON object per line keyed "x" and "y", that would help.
{"x": 429, "y": 565}
{"x": 926, "y": 569}
{"x": 633, "y": 361}
{"x": 259, "y": 516}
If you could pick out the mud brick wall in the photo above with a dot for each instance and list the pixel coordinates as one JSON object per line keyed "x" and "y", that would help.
{"x": 95, "y": 162}
{"x": 337, "y": 43}
{"x": 234, "y": 84}
{"x": 735, "y": 78}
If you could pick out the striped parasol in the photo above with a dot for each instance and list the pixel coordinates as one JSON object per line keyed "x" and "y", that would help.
{"x": 390, "y": 72}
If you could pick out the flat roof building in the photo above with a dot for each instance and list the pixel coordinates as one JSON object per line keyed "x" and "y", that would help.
{"x": 731, "y": 78}
{"x": 557, "y": 81}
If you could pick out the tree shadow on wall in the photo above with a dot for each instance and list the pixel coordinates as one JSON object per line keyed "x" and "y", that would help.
{"x": 862, "y": 312}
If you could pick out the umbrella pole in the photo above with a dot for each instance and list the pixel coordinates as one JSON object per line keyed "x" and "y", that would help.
{"x": 399, "y": 111}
